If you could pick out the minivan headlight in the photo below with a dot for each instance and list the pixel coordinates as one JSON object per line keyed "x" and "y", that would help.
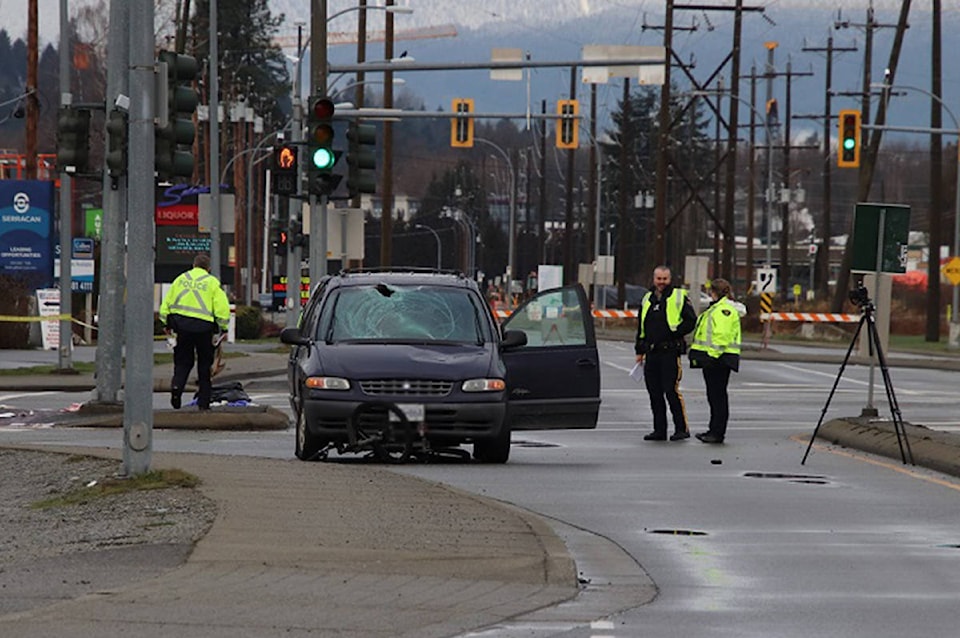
{"x": 327, "y": 383}
{"x": 484, "y": 385}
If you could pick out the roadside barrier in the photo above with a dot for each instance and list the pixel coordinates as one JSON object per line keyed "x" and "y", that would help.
{"x": 826, "y": 317}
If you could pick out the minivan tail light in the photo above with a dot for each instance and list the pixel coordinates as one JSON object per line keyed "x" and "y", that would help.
{"x": 327, "y": 383}
{"x": 484, "y": 385}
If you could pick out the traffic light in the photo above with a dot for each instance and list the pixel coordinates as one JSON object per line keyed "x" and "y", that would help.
{"x": 280, "y": 243}
{"x": 461, "y": 127}
{"x": 568, "y": 124}
{"x": 848, "y": 155}
{"x": 177, "y": 102}
{"x": 361, "y": 158}
{"x": 285, "y": 170}
{"x": 73, "y": 140}
{"x": 117, "y": 133}
{"x": 321, "y": 157}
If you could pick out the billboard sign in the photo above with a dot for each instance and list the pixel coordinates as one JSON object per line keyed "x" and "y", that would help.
{"x": 26, "y": 230}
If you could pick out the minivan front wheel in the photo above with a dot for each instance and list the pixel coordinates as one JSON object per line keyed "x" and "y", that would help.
{"x": 495, "y": 450}
{"x": 308, "y": 445}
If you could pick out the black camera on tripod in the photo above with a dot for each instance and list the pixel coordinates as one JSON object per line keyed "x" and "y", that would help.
{"x": 860, "y": 296}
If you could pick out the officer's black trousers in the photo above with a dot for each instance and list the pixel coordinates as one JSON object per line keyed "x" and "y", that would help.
{"x": 662, "y": 372}
{"x": 716, "y": 377}
{"x": 189, "y": 343}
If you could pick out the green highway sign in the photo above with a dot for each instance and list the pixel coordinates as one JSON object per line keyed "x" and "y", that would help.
{"x": 886, "y": 226}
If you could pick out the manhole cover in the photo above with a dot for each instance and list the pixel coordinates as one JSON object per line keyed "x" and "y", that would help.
{"x": 678, "y": 532}
{"x": 789, "y": 477}
{"x": 533, "y": 444}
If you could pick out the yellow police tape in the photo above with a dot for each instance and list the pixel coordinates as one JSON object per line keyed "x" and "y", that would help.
{"x": 14, "y": 318}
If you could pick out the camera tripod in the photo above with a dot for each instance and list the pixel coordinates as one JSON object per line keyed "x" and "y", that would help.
{"x": 860, "y": 297}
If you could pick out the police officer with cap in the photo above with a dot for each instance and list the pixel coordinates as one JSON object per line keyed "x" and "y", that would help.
{"x": 666, "y": 316}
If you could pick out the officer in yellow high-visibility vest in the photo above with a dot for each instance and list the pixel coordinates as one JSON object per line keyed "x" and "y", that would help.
{"x": 716, "y": 350}
{"x": 196, "y": 309}
{"x": 666, "y": 316}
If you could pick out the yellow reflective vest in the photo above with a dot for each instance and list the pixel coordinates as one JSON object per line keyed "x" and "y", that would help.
{"x": 718, "y": 330}
{"x": 674, "y": 307}
{"x": 196, "y": 293}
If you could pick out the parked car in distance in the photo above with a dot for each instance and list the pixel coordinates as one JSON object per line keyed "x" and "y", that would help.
{"x": 426, "y": 343}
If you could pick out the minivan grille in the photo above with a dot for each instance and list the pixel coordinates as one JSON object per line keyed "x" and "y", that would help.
{"x": 406, "y": 387}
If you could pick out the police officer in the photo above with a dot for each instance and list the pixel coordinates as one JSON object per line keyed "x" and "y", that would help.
{"x": 716, "y": 350}
{"x": 196, "y": 309}
{"x": 666, "y": 316}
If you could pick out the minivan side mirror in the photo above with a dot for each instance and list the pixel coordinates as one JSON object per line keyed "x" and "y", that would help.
{"x": 293, "y": 337}
{"x": 514, "y": 339}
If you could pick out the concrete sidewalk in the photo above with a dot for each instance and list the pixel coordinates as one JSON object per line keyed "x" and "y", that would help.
{"x": 340, "y": 550}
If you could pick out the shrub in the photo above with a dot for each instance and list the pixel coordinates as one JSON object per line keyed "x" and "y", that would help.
{"x": 249, "y": 322}
{"x": 15, "y": 301}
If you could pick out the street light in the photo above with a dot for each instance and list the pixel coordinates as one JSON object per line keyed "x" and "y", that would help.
{"x": 954, "y": 336}
{"x": 435, "y": 236}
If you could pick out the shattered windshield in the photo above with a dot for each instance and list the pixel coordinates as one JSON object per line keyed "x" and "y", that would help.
{"x": 404, "y": 313}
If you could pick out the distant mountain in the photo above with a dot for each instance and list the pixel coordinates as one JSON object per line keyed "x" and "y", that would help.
{"x": 558, "y": 29}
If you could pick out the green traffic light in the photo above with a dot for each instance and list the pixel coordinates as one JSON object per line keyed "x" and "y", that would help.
{"x": 323, "y": 158}
{"x": 849, "y": 143}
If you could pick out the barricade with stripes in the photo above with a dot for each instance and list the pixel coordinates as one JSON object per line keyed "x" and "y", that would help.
{"x": 827, "y": 317}
{"x": 604, "y": 314}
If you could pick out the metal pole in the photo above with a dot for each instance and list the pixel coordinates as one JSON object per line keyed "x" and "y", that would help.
{"x": 294, "y": 207}
{"x": 318, "y": 86}
{"x": 214, "y": 150}
{"x": 66, "y": 208}
{"x": 110, "y": 305}
{"x": 249, "y": 217}
{"x": 954, "y": 337}
{"x": 138, "y": 404}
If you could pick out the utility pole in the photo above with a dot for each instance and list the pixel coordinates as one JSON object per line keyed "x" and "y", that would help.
{"x": 138, "y": 403}
{"x": 66, "y": 204}
{"x": 569, "y": 254}
{"x": 751, "y": 185}
{"x": 592, "y": 208}
{"x": 663, "y": 153}
{"x": 936, "y": 178}
{"x": 626, "y": 141}
{"x": 729, "y": 235}
{"x": 214, "y": 150}
{"x": 826, "y": 222}
{"x": 386, "y": 199}
{"x": 784, "y": 277}
{"x": 868, "y": 156}
{"x": 542, "y": 200}
{"x": 33, "y": 88}
{"x": 112, "y": 256}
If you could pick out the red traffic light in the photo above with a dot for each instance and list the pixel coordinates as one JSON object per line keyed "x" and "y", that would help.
{"x": 322, "y": 108}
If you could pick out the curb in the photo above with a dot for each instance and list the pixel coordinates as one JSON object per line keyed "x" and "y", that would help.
{"x": 939, "y": 451}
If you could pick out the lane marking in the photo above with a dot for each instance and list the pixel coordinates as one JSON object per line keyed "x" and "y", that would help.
{"x": 949, "y": 484}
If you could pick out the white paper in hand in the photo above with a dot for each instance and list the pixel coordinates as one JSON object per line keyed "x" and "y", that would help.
{"x": 636, "y": 372}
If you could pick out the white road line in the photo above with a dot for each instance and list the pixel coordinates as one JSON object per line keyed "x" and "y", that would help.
{"x": 4, "y": 397}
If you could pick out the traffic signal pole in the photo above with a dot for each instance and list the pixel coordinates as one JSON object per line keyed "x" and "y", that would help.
{"x": 110, "y": 306}
{"x": 318, "y": 87}
{"x": 66, "y": 210}
{"x": 138, "y": 402}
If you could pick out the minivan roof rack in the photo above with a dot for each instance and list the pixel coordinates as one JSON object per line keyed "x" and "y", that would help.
{"x": 400, "y": 269}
